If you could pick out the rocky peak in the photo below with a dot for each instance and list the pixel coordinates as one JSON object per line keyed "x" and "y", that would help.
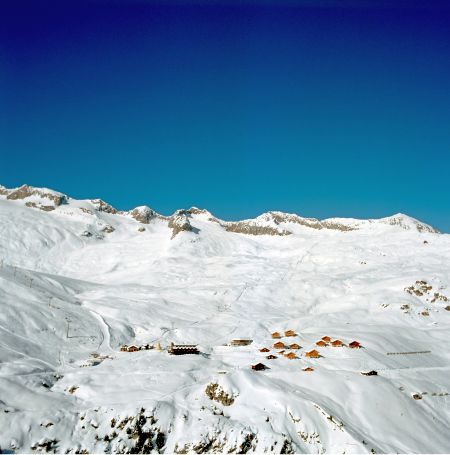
{"x": 143, "y": 214}
{"x": 102, "y": 206}
{"x": 4, "y": 191}
{"x": 406, "y": 222}
{"x": 26, "y": 191}
{"x": 179, "y": 222}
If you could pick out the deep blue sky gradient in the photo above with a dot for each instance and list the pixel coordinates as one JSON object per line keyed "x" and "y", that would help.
{"x": 319, "y": 108}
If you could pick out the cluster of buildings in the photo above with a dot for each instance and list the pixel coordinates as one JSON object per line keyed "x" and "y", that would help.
{"x": 289, "y": 350}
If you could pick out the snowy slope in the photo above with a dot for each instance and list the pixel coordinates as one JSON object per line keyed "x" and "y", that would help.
{"x": 78, "y": 279}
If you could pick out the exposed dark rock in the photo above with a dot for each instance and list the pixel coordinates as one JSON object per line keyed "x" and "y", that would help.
{"x": 179, "y": 223}
{"x": 143, "y": 214}
{"x": 108, "y": 229}
{"x": 216, "y": 393}
{"x": 102, "y": 206}
{"x": 25, "y": 191}
{"x": 247, "y": 444}
{"x": 4, "y": 191}
{"x": 243, "y": 227}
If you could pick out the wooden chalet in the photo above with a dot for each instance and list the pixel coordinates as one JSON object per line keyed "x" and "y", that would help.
{"x": 124, "y": 348}
{"x": 291, "y": 355}
{"x": 182, "y": 349}
{"x": 132, "y": 348}
{"x": 308, "y": 369}
{"x": 278, "y": 345}
{"x": 313, "y": 354}
{"x": 337, "y": 343}
{"x": 321, "y": 343}
{"x": 276, "y": 335}
{"x": 354, "y": 345}
{"x": 259, "y": 367}
{"x": 271, "y": 357}
{"x": 289, "y": 333}
{"x": 294, "y": 346}
{"x": 264, "y": 350}
{"x": 326, "y": 339}
{"x": 241, "y": 342}
{"x": 369, "y": 373}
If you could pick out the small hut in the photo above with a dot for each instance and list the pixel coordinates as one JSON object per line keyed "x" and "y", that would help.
{"x": 313, "y": 354}
{"x": 291, "y": 355}
{"x": 369, "y": 373}
{"x": 124, "y": 348}
{"x": 241, "y": 342}
{"x": 271, "y": 357}
{"x": 321, "y": 343}
{"x": 264, "y": 350}
{"x": 294, "y": 346}
{"x": 259, "y": 367}
{"x": 289, "y": 333}
{"x": 278, "y": 345}
{"x": 308, "y": 369}
{"x": 336, "y": 343}
{"x": 354, "y": 345}
{"x": 281, "y": 352}
{"x": 132, "y": 348}
{"x": 326, "y": 339}
{"x": 276, "y": 335}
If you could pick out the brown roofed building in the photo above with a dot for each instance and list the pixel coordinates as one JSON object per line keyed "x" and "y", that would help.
{"x": 294, "y": 346}
{"x": 308, "y": 369}
{"x": 313, "y": 354}
{"x": 132, "y": 348}
{"x": 259, "y": 367}
{"x": 182, "y": 349}
{"x": 337, "y": 343}
{"x": 278, "y": 345}
{"x": 289, "y": 333}
{"x": 291, "y": 355}
{"x": 271, "y": 357}
{"x": 321, "y": 343}
{"x": 281, "y": 352}
{"x": 241, "y": 342}
{"x": 354, "y": 345}
{"x": 276, "y": 335}
{"x": 264, "y": 350}
{"x": 326, "y": 339}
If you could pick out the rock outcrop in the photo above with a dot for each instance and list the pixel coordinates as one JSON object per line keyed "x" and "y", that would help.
{"x": 26, "y": 191}
{"x": 143, "y": 214}
{"x": 245, "y": 227}
{"x": 179, "y": 222}
{"x": 102, "y": 206}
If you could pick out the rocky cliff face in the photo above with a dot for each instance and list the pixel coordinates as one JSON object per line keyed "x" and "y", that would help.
{"x": 103, "y": 206}
{"x": 314, "y": 223}
{"x": 179, "y": 222}
{"x": 243, "y": 227}
{"x": 143, "y": 214}
{"x": 25, "y": 191}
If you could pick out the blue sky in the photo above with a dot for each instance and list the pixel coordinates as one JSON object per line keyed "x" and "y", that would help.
{"x": 320, "y": 108}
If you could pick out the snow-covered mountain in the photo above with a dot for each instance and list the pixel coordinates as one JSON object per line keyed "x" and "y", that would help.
{"x": 80, "y": 279}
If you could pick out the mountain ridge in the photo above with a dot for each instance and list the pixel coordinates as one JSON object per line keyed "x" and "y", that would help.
{"x": 266, "y": 223}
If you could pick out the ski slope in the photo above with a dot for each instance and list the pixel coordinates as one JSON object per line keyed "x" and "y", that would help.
{"x": 79, "y": 279}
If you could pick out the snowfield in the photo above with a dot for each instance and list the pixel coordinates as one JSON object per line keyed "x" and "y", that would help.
{"x": 79, "y": 279}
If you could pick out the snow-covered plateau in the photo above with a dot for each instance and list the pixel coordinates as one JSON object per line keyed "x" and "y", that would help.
{"x": 83, "y": 284}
